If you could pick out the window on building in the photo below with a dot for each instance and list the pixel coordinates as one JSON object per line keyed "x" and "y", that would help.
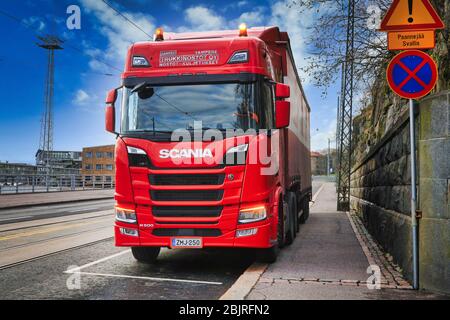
{"x": 110, "y": 155}
{"x": 98, "y": 167}
{"x": 88, "y": 154}
{"x": 87, "y": 178}
{"x": 99, "y": 155}
{"x": 109, "y": 167}
{"x": 108, "y": 179}
{"x": 98, "y": 178}
{"x": 88, "y": 167}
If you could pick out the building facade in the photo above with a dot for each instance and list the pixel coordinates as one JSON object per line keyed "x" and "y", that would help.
{"x": 98, "y": 166}
{"x": 318, "y": 164}
{"x": 59, "y": 159}
{"x": 7, "y": 168}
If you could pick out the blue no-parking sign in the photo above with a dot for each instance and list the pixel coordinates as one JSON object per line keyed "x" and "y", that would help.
{"x": 412, "y": 74}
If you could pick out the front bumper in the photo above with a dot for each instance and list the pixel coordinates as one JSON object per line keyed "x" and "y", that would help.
{"x": 259, "y": 240}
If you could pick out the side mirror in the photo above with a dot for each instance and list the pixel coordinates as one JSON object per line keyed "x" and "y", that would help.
{"x": 282, "y": 91}
{"x": 110, "y": 112}
{"x": 282, "y": 114}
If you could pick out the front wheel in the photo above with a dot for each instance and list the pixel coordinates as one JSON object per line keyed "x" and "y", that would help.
{"x": 291, "y": 221}
{"x": 269, "y": 255}
{"x": 145, "y": 254}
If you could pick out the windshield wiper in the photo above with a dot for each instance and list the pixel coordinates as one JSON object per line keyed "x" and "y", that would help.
{"x": 139, "y": 87}
{"x": 150, "y": 131}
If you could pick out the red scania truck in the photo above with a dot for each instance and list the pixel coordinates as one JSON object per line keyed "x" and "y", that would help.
{"x": 211, "y": 190}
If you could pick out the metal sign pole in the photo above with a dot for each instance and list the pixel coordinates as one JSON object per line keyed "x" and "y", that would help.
{"x": 413, "y": 196}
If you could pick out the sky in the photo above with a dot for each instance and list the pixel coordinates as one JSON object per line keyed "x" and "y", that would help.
{"x": 94, "y": 55}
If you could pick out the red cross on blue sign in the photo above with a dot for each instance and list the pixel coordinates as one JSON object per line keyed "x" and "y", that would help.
{"x": 412, "y": 74}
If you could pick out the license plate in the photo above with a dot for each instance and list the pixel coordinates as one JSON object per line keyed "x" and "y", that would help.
{"x": 186, "y": 243}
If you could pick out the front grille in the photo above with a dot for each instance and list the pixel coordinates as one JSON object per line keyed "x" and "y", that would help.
{"x": 187, "y": 212}
{"x": 186, "y": 195}
{"x": 173, "y": 232}
{"x": 186, "y": 179}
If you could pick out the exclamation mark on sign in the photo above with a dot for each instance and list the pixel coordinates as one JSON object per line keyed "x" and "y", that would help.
{"x": 410, "y": 9}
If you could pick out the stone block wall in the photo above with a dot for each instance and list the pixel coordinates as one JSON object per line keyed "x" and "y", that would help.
{"x": 381, "y": 184}
{"x": 434, "y": 192}
{"x": 381, "y": 191}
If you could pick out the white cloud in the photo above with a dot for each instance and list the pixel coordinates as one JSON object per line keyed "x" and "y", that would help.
{"x": 201, "y": 18}
{"x": 252, "y": 19}
{"x": 242, "y": 3}
{"x": 119, "y": 32}
{"x": 296, "y": 24}
{"x": 35, "y": 22}
{"x": 319, "y": 139}
{"x": 81, "y": 97}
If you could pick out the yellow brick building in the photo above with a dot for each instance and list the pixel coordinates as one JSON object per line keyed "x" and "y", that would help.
{"x": 97, "y": 166}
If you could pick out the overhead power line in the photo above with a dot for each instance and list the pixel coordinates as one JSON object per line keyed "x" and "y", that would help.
{"x": 39, "y": 34}
{"x": 127, "y": 19}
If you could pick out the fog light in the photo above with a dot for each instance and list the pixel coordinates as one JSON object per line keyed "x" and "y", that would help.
{"x": 125, "y": 215}
{"x": 252, "y": 214}
{"x": 129, "y": 232}
{"x": 246, "y": 232}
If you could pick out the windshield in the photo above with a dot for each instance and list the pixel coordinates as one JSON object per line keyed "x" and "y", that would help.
{"x": 216, "y": 106}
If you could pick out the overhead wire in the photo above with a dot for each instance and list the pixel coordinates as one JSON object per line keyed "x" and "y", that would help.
{"x": 67, "y": 44}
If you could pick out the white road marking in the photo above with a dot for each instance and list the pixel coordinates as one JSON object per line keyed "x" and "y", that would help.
{"x": 77, "y": 270}
{"x": 97, "y": 261}
{"x": 317, "y": 192}
{"x": 146, "y": 278}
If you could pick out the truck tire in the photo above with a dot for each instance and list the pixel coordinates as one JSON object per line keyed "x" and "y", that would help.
{"x": 290, "y": 234}
{"x": 145, "y": 254}
{"x": 305, "y": 211}
{"x": 281, "y": 234}
{"x": 296, "y": 215}
{"x": 269, "y": 255}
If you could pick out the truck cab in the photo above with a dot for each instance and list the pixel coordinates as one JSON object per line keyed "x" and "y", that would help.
{"x": 209, "y": 151}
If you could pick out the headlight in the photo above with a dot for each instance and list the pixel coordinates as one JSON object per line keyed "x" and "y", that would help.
{"x": 252, "y": 214}
{"x": 133, "y": 150}
{"x": 239, "y": 57}
{"x": 138, "y": 158}
{"x": 236, "y": 155}
{"x": 239, "y": 148}
{"x": 126, "y": 215}
{"x": 140, "y": 62}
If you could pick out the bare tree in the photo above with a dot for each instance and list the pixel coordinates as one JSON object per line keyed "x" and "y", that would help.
{"x": 327, "y": 39}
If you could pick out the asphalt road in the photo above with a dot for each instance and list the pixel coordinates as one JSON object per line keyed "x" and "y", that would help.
{"x": 38, "y": 245}
{"x": 52, "y": 211}
{"x": 180, "y": 274}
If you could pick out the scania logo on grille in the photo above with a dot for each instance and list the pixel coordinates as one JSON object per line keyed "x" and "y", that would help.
{"x": 185, "y": 153}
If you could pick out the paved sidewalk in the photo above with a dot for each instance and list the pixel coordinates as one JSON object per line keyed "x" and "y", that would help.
{"x": 327, "y": 261}
{"x": 33, "y": 199}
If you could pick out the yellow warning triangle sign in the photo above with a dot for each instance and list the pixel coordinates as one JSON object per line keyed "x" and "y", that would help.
{"x": 411, "y": 15}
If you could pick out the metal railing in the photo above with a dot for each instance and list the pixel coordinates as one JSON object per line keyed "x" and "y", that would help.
{"x": 10, "y": 184}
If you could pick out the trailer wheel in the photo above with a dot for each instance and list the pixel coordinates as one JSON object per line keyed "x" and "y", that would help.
{"x": 290, "y": 235}
{"x": 305, "y": 213}
{"x": 145, "y": 254}
{"x": 296, "y": 215}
